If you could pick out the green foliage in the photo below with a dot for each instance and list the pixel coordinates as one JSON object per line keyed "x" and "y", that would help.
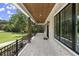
{"x": 38, "y": 29}
{"x": 21, "y": 23}
{"x": 2, "y": 24}
{"x": 17, "y": 23}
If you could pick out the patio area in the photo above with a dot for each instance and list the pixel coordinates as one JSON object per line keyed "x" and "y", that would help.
{"x": 41, "y": 47}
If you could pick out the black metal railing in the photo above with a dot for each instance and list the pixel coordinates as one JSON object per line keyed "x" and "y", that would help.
{"x": 14, "y": 48}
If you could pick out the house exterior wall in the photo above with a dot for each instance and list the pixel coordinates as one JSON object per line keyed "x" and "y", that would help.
{"x": 60, "y": 48}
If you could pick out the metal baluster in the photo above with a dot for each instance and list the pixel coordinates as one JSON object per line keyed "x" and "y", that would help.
{"x": 0, "y": 52}
{"x": 7, "y": 50}
{"x": 12, "y": 50}
{"x": 16, "y": 47}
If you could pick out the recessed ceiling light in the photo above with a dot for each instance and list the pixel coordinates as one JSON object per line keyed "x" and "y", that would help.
{"x": 40, "y": 15}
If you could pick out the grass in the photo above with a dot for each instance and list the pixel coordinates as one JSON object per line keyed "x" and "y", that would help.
{"x": 9, "y": 36}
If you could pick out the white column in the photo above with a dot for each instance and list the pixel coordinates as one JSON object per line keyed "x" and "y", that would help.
{"x": 45, "y": 31}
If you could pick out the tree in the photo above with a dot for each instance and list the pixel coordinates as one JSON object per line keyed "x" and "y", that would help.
{"x": 38, "y": 28}
{"x": 2, "y": 24}
{"x": 17, "y": 23}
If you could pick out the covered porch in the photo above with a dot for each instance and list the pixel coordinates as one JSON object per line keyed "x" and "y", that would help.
{"x": 44, "y": 44}
{"x": 41, "y": 43}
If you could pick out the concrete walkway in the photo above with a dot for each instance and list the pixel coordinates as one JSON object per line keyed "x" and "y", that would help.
{"x": 40, "y": 47}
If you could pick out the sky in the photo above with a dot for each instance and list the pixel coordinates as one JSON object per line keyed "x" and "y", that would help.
{"x": 6, "y": 10}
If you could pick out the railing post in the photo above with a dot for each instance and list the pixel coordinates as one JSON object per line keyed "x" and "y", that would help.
{"x": 1, "y": 52}
{"x": 16, "y": 47}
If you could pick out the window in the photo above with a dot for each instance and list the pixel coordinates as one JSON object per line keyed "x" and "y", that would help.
{"x": 67, "y": 25}
{"x": 77, "y": 28}
{"x": 63, "y": 25}
{"x": 68, "y": 21}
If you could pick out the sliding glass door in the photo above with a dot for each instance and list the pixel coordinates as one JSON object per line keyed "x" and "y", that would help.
{"x": 66, "y": 25}
{"x": 77, "y": 28}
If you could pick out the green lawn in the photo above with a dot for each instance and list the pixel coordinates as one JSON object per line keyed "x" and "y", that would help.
{"x": 9, "y": 36}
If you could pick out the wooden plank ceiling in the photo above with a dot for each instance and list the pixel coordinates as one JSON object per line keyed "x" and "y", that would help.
{"x": 39, "y": 11}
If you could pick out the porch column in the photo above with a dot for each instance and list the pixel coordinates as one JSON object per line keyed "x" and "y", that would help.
{"x": 46, "y": 31}
{"x": 29, "y": 30}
